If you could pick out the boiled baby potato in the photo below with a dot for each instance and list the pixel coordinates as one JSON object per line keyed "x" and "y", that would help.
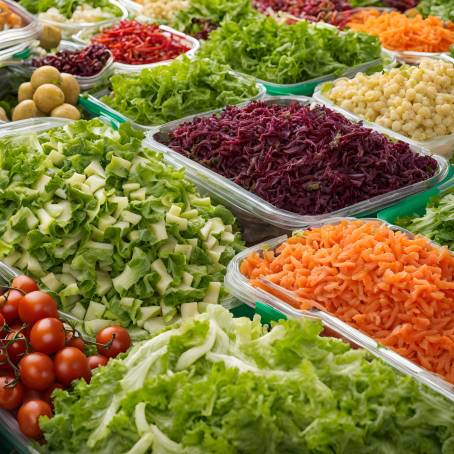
{"x": 66, "y": 111}
{"x": 50, "y": 37}
{"x": 45, "y": 75}
{"x": 3, "y": 116}
{"x": 47, "y": 97}
{"x": 25, "y": 91}
{"x": 25, "y": 109}
{"x": 70, "y": 88}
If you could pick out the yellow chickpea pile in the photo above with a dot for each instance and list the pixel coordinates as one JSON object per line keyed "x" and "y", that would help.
{"x": 161, "y": 9}
{"x": 415, "y": 101}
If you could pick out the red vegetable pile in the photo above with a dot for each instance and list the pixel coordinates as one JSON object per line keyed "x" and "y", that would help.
{"x": 85, "y": 63}
{"x": 335, "y": 12}
{"x": 39, "y": 354}
{"x": 305, "y": 160}
{"x": 138, "y": 44}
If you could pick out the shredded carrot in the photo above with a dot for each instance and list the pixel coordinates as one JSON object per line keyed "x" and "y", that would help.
{"x": 402, "y": 33}
{"x": 396, "y": 289}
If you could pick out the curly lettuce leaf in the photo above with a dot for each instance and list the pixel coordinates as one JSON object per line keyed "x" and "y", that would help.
{"x": 66, "y": 7}
{"x": 215, "y": 384}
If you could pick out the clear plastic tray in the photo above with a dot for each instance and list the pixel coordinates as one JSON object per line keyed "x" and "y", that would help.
{"x": 93, "y": 104}
{"x": 255, "y": 214}
{"x": 308, "y": 86}
{"x": 191, "y": 42}
{"x": 240, "y": 287}
{"x": 69, "y": 29}
{"x": 17, "y": 36}
{"x": 443, "y": 146}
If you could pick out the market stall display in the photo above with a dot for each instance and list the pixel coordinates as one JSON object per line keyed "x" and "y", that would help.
{"x": 214, "y": 383}
{"x": 444, "y": 9}
{"x": 416, "y": 102}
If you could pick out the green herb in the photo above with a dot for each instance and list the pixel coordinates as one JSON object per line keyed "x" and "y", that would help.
{"x": 437, "y": 223}
{"x": 112, "y": 231}
{"x": 219, "y": 385}
{"x": 169, "y": 92}
{"x": 66, "y": 7}
{"x": 441, "y": 8}
{"x": 286, "y": 54}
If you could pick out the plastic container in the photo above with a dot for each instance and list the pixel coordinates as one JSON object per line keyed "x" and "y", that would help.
{"x": 94, "y": 105}
{"x": 15, "y": 36}
{"x": 189, "y": 41}
{"x": 240, "y": 287}
{"x": 416, "y": 204}
{"x": 307, "y": 87}
{"x": 71, "y": 28}
{"x": 257, "y": 216}
{"x": 443, "y": 146}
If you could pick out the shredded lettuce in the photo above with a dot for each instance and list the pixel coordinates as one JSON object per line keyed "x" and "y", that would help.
{"x": 287, "y": 54}
{"x": 170, "y": 92}
{"x": 66, "y": 7}
{"x": 99, "y": 219}
{"x": 215, "y": 384}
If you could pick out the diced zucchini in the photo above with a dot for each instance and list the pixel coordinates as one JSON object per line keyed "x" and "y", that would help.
{"x": 212, "y": 294}
{"x": 95, "y": 311}
{"x": 51, "y": 282}
{"x": 93, "y": 327}
{"x": 188, "y": 310}
{"x": 159, "y": 230}
{"x": 78, "y": 311}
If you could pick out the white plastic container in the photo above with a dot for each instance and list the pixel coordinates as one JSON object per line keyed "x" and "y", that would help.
{"x": 240, "y": 287}
{"x": 19, "y": 36}
{"x": 257, "y": 216}
{"x": 443, "y": 146}
{"x": 193, "y": 44}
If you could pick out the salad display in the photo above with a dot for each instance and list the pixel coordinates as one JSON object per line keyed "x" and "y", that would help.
{"x": 272, "y": 52}
{"x": 185, "y": 87}
{"x": 215, "y": 384}
{"x": 115, "y": 234}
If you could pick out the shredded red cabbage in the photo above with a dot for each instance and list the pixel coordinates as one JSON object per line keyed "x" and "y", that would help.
{"x": 305, "y": 160}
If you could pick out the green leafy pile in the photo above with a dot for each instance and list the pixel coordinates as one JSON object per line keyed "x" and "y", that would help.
{"x": 203, "y": 16}
{"x": 112, "y": 231}
{"x": 441, "y": 8}
{"x": 170, "y": 92}
{"x": 66, "y": 7}
{"x": 215, "y": 384}
{"x": 285, "y": 54}
{"x": 437, "y": 223}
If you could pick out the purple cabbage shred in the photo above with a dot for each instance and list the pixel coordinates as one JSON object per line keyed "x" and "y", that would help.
{"x": 309, "y": 161}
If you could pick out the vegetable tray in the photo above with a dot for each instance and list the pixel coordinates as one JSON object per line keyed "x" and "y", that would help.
{"x": 240, "y": 287}
{"x": 260, "y": 219}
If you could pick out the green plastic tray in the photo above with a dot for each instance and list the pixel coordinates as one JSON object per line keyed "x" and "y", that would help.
{"x": 415, "y": 205}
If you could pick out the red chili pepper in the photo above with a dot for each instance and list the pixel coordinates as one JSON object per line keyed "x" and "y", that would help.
{"x": 138, "y": 44}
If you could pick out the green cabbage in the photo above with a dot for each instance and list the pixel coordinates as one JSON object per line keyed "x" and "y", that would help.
{"x": 107, "y": 226}
{"x": 286, "y": 54}
{"x": 215, "y": 384}
{"x": 170, "y": 92}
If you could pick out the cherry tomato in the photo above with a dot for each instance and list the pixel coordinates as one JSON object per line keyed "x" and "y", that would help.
{"x": 71, "y": 364}
{"x": 115, "y": 339}
{"x": 4, "y": 364}
{"x": 47, "y": 394}
{"x": 32, "y": 394}
{"x": 10, "y": 397}
{"x": 37, "y": 305}
{"x": 37, "y": 371}
{"x": 96, "y": 361}
{"x": 9, "y": 303}
{"x": 28, "y": 417}
{"x": 2, "y": 322}
{"x": 24, "y": 283}
{"x": 73, "y": 341}
{"x": 48, "y": 335}
{"x": 17, "y": 349}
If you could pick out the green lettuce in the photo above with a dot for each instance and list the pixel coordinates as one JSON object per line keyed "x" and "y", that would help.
{"x": 170, "y": 92}
{"x": 441, "y": 8}
{"x": 115, "y": 233}
{"x": 286, "y": 54}
{"x": 66, "y": 7}
{"x": 216, "y": 384}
